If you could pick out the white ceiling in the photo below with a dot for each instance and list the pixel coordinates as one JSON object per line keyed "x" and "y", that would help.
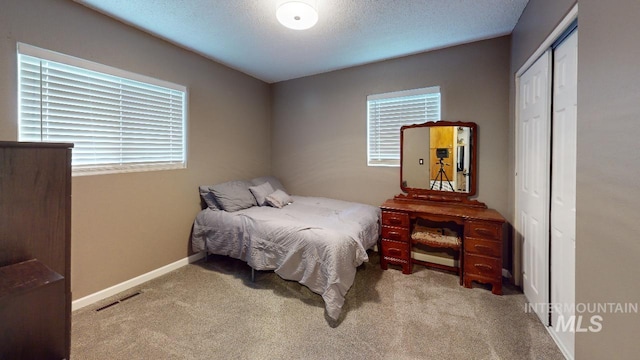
{"x": 245, "y": 34}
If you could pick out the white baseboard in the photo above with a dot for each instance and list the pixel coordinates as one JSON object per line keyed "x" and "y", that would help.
{"x": 567, "y": 354}
{"x": 126, "y": 285}
{"x": 506, "y": 273}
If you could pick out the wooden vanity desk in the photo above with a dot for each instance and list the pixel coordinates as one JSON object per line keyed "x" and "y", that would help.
{"x": 481, "y": 258}
{"x": 438, "y": 176}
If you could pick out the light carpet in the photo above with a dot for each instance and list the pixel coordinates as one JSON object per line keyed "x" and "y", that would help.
{"x": 212, "y": 310}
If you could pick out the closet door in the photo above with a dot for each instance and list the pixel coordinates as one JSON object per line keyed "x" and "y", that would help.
{"x": 532, "y": 182}
{"x": 563, "y": 186}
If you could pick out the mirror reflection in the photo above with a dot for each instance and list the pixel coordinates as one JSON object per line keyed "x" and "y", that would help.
{"x": 437, "y": 158}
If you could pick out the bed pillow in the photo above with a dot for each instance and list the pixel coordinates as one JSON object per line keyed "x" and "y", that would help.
{"x": 260, "y": 192}
{"x": 208, "y": 198}
{"x": 275, "y": 183}
{"x": 233, "y": 195}
{"x": 279, "y": 199}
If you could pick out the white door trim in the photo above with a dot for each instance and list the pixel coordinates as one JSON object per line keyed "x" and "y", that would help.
{"x": 563, "y": 190}
{"x": 546, "y": 44}
{"x": 571, "y": 16}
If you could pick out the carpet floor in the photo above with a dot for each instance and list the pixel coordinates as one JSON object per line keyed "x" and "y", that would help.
{"x": 212, "y": 310}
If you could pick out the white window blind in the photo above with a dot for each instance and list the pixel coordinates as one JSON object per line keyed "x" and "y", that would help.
{"x": 117, "y": 121}
{"x": 386, "y": 113}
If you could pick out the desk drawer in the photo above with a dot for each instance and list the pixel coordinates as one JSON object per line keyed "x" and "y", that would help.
{"x": 395, "y": 233}
{"x": 483, "y": 247}
{"x": 488, "y": 267}
{"x": 391, "y": 218}
{"x": 481, "y": 229}
{"x": 396, "y": 249}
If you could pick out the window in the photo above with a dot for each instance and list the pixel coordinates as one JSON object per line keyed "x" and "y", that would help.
{"x": 386, "y": 113}
{"x": 118, "y": 121}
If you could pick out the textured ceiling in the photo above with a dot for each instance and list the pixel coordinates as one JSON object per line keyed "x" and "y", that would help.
{"x": 245, "y": 34}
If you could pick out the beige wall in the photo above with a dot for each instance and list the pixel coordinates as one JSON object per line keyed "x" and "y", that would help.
{"x": 320, "y": 122}
{"x": 415, "y": 146}
{"x": 128, "y": 224}
{"x": 125, "y": 225}
{"x": 608, "y": 190}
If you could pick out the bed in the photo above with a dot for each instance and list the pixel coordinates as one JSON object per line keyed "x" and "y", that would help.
{"x": 315, "y": 241}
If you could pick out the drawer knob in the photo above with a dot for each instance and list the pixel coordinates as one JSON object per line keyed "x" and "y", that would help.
{"x": 484, "y": 231}
{"x": 483, "y": 267}
{"x": 394, "y": 252}
{"x": 395, "y": 221}
{"x": 394, "y": 235}
{"x": 482, "y": 248}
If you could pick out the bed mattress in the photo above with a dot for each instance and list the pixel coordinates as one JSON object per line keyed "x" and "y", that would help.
{"x": 315, "y": 241}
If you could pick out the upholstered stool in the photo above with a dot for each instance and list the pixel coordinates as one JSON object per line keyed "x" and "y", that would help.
{"x": 439, "y": 238}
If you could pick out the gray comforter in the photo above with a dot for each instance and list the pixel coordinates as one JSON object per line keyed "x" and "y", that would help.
{"x": 318, "y": 242}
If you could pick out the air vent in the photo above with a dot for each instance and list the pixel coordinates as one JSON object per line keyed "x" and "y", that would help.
{"x": 119, "y": 301}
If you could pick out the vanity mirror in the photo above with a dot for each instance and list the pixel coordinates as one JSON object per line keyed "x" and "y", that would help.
{"x": 438, "y": 174}
{"x": 438, "y": 160}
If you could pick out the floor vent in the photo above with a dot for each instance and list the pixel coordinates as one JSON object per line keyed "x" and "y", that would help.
{"x": 119, "y": 301}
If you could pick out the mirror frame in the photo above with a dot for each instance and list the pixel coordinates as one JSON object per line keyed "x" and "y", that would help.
{"x": 438, "y": 195}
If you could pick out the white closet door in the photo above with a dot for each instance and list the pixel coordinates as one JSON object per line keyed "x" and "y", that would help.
{"x": 563, "y": 186}
{"x": 532, "y": 181}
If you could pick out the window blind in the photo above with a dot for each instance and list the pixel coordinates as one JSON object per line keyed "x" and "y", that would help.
{"x": 386, "y": 113}
{"x": 115, "y": 123}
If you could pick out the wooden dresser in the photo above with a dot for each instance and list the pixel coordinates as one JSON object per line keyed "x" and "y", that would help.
{"x": 35, "y": 236}
{"x": 482, "y": 237}
{"x": 396, "y": 247}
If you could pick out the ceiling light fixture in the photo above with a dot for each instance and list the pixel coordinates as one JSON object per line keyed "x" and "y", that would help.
{"x": 297, "y": 15}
